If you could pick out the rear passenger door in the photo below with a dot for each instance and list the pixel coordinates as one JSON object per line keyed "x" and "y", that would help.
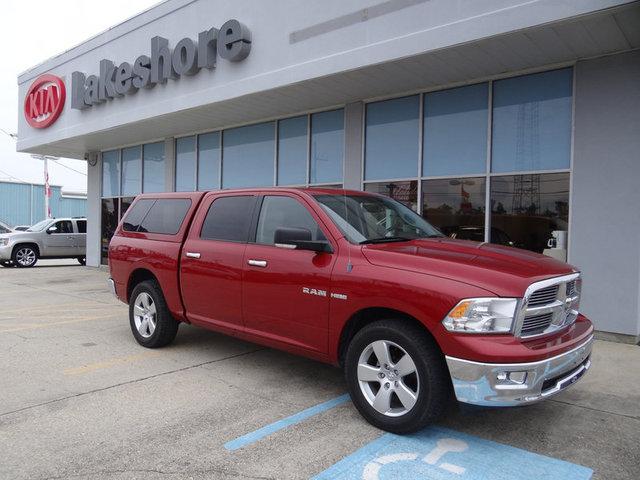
{"x": 80, "y": 237}
{"x": 212, "y": 260}
{"x": 286, "y": 291}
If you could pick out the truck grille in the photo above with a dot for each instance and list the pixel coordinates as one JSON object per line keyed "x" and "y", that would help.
{"x": 549, "y": 305}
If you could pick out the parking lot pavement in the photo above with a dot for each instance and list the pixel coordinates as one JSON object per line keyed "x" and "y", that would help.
{"x": 80, "y": 399}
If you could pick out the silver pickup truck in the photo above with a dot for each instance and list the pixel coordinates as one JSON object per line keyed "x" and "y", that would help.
{"x": 51, "y": 238}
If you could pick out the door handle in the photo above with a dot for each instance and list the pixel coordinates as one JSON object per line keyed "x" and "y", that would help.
{"x": 193, "y": 255}
{"x": 257, "y": 263}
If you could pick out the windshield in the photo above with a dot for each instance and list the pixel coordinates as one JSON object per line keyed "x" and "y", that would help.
{"x": 372, "y": 219}
{"x": 38, "y": 227}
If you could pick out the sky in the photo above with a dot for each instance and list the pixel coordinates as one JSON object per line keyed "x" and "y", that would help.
{"x": 32, "y": 31}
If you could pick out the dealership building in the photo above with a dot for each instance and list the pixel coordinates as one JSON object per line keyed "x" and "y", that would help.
{"x": 507, "y": 121}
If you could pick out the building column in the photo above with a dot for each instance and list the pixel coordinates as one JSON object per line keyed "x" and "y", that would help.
{"x": 94, "y": 208}
{"x": 169, "y": 164}
{"x": 604, "y": 228}
{"x": 353, "y": 138}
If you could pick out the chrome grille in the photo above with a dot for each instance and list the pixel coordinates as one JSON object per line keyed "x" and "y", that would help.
{"x": 544, "y": 296}
{"x": 549, "y": 305}
{"x": 536, "y": 324}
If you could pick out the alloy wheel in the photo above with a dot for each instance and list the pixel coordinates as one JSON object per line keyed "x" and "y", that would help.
{"x": 26, "y": 257}
{"x": 144, "y": 314}
{"x": 388, "y": 378}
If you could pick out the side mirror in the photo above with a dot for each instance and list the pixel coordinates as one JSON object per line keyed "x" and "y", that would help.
{"x": 300, "y": 239}
{"x": 52, "y": 229}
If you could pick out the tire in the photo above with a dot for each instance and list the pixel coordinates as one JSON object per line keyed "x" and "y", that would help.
{"x": 426, "y": 391}
{"x": 151, "y": 322}
{"x": 24, "y": 256}
{"x": 82, "y": 260}
{"x": 6, "y": 263}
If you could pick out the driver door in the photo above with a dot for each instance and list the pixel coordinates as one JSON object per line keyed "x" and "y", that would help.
{"x": 59, "y": 240}
{"x": 286, "y": 291}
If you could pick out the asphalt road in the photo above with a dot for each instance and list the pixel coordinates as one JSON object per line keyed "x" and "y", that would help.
{"x": 80, "y": 399}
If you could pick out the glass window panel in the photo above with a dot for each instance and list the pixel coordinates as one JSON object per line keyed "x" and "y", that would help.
{"x": 229, "y": 219}
{"x": 209, "y": 161}
{"x": 153, "y": 158}
{"x": 292, "y": 151}
{"x": 110, "y": 173}
{"x": 285, "y": 212}
{"x": 135, "y": 216}
{"x": 530, "y": 210}
{"x": 186, "y": 164}
{"x": 532, "y": 122}
{"x": 165, "y": 216}
{"x": 456, "y": 206}
{"x": 327, "y": 146}
{"x": 455, "y": 131}
{"x": 248, "y": 154}
{"x": 82, "y": 226}
{"x": 131, "y": 170}
{"x": 125, "y": 203}
{"x": 403, "y": 192}
{"x": 392, "y": 138}
{"x": 109, "y": 224}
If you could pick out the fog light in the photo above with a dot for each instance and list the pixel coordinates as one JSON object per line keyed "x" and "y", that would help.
{"x": 512, "y": 378}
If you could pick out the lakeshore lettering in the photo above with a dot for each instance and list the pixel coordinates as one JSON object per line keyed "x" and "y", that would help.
{"x": 232, "y": 42}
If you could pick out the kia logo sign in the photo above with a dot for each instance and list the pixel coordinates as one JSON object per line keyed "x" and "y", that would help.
{"x": 44, "y": 101}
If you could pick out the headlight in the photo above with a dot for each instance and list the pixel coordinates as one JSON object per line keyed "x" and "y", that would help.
{"x": 482, "y": 315}
{"x": 4, "y": 242}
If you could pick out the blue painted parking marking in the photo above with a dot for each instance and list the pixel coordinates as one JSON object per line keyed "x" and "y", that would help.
{"x": 442, "y": 454}
{"x": 284, "y": 423}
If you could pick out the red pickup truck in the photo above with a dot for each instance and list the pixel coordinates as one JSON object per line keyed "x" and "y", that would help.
{"x": 360, "y": 281}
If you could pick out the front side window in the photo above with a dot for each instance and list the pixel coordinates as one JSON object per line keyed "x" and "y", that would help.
{"x": 229, "y": 219}
{"x": 373, "y": 219}
{"x": 63, "y": 226}
{"x": 285, "y": 212}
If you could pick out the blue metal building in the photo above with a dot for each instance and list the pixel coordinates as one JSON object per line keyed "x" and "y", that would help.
{"x": 23, "y": 203}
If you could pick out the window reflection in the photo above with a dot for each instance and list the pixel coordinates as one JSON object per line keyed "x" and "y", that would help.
{"x": 456, "y": 206}
{"x": 403, "y": 192}
{"x": 186, "y": 164}
{"x": 533, "y": 210}
{"x": 109, "y": 225}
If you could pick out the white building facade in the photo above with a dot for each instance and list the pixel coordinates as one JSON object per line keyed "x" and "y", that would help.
{"x": 503, "y": 121}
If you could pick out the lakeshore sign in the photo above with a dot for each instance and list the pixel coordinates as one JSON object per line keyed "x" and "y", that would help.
{"x": 232, "y": 42}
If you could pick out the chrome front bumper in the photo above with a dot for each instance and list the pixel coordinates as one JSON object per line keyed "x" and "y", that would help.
{"x": 511, "y": 384}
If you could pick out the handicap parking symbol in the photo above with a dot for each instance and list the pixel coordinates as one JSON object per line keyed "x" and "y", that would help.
{"x": 442, "y": 454}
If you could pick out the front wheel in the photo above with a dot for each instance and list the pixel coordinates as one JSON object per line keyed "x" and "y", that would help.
{"x": 396, "y": 375}
{"x": 82, "y": 260}
{"x": 24, "y": 256}
{"x": 151, "y": 322}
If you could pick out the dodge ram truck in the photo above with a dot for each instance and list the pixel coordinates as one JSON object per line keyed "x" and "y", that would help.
{"x": 414, "y": 318}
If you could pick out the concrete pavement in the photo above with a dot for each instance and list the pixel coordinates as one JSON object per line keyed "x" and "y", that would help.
{"x": 79, "y": 398}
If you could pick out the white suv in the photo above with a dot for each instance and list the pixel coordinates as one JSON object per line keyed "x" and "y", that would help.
{"x": 52, "y": 238}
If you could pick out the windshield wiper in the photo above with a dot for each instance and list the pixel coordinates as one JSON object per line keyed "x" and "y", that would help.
{"x": 385, "y": 240}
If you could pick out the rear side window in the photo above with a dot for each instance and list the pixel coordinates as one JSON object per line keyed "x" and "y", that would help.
{"x": 229, "y": 219}
{"x": 165, "y": 216}
{"x": 82, "y": 226}
{"x": 136, "y": 214}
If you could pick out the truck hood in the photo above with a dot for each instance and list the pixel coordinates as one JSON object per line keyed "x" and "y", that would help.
{"x": 505, "y": 271}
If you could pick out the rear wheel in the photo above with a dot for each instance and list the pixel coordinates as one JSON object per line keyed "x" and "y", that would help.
{"x": 6, "y": 263}
{"x": 151, "y": 322}
{"x": 24, "y": 256}
{"x": 397, "y": 376}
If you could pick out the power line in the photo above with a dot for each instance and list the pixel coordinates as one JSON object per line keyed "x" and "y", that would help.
{"x": 12, "y": 135}
{"x": 69, "y": 168}
{"x": 14, "y": 178}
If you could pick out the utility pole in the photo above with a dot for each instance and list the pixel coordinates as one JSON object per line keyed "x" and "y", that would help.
{"x": 47, "y": 188}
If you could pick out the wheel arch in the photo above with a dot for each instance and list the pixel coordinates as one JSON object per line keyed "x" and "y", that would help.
{"x": 138, "y": 276}
{"x": 26, "y": 243}
{"x": 366, "y": 316}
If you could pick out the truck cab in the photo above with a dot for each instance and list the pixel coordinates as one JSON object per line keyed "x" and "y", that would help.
{"x": 415, "y": 319}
